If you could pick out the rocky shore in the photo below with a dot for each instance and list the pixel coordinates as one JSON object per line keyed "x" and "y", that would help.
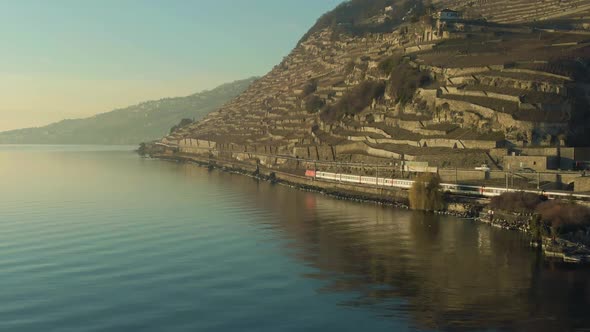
{"x": 460, "y": 206}
{"x": 552, "y": 247}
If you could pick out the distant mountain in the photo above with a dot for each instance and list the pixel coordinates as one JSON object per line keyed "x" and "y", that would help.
{"x": 131, "y": 125}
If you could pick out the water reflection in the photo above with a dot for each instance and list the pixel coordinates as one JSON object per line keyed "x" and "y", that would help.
{"x": 442, "y": 273}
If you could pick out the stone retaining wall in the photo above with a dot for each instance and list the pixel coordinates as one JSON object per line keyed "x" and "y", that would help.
{"x": 459, "y": 92}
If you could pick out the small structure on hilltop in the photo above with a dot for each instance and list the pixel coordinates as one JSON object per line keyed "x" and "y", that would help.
{"x": 447, "y": 18}
{"x": 449, "y": 15}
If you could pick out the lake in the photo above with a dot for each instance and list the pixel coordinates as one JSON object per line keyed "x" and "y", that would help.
{"x": 98, "y": 239}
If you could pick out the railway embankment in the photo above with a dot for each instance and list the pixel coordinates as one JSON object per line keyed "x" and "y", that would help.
{"x": 463, "y": 206}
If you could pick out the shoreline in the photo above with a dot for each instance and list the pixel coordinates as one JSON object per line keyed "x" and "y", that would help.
{"x": 462, "y": 207}
{"x": 459, "y": 206}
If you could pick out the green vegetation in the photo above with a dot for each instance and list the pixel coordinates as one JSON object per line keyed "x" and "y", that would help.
{"x": 142, "y": 150}
{"x": 131, "y": 125}
{"x": 314, "y": 103}
{"x": 404, "y": 82}
{"x": 550, "y": 217}
{"x": 537, "y": 228}
{"x": 354, "y": 101}
{"x": 388, "y": 65}
{"x": 310, "y": 88}
{"x": 425, "y": 194}
{"x": 183, "y": 123}
{"x": 519, "y": 202}
{"x": 404, "y": 79}
{"x": 564, "y": 217}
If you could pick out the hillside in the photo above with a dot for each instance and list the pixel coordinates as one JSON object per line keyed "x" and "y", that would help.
{"x": 380, "y": 81}
{"x": 131, "y": 125}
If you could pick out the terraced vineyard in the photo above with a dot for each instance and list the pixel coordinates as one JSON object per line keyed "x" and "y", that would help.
{"x": 451, "y": 93}
{"x": 521, "y": 11}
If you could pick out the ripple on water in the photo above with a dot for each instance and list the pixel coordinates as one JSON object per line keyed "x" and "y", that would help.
{"x": 110, "y": 242}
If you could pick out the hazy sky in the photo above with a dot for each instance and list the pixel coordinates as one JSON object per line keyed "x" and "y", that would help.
{"x": 71, "y": 58}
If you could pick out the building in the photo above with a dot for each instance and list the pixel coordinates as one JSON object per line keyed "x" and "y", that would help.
{"x": 449, "y": 15}
{"x": 537, "y": 163}
{"x": 575, "y": 158}
{"x": 565, "y": 158}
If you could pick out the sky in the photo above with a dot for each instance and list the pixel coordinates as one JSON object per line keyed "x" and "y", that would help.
{"x": 70, "y": 59}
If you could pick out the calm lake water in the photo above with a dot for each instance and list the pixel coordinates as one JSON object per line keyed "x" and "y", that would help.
{"x": 98, "y": 239}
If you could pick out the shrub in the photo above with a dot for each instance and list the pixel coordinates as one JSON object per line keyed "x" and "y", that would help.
{"x": 183, "y": 123}
{"x": 330, "y": 114}
{"x": 564, "y": 217}
{"x": 389, "y": 64}
{"x": 143, "y": 148}
{"x": 537, "y": 228}
{"x": 313, "y": 104}
{"x": 519, "y": 202}
{"x": 354, "y": 101}
{"x": 310, "y": 88}
{"x": 426, "y": 194}
{"x": 404, "y": 82}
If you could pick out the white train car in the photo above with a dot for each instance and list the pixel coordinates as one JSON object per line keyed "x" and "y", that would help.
{"x": 405, "y": 184}
{"x": 369, "y": 180}
{"x": 350, "y": 178}
{"x": 328, "y": 176}
{"x": 388, "y": 182}
{"x": 462, "y": 189}
{"x": 446, "y": 187}
{"x": 493, "y": 191}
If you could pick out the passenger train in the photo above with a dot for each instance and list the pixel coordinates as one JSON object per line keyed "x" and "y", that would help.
{"x": 446, "y": 187}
